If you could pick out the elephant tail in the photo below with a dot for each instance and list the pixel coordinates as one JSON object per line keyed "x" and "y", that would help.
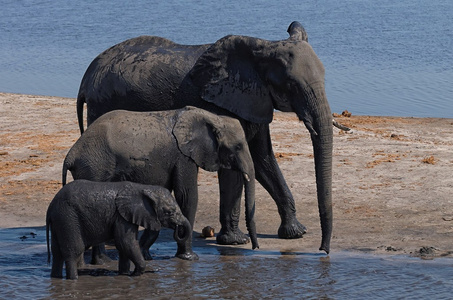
{"x": 64, "y": 173}
{"x": 67, "y": 166}
{"x": 80, "y": 102}
{"x": 47, "y": 238}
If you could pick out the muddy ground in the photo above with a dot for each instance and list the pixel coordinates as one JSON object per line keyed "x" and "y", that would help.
{"x": 392, "y": 189}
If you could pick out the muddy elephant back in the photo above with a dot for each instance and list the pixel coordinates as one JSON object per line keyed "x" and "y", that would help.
{"x": 139, "y": 74}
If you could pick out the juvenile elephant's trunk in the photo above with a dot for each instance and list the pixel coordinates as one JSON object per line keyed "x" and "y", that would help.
{"x": 181, "y": 235}
{"x": 249, "y": 186}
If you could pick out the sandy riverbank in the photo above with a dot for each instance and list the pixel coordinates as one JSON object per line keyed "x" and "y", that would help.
{"x": 392, "y": 178}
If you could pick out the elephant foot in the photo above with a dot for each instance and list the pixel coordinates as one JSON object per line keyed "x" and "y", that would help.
{"x": 187, "y": 256}
{"x": 291, "y": 230}
{"x": 81, "y": 262}
{"x": 231, "y": 237}
{"x": 125, "y": 273}
{"x": 146, "y": 254}
{"x": 137, "y": 272}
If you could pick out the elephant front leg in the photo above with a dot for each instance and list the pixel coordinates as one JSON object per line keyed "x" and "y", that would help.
{"x": 186, "y": 195}
{"x": 290, "y": 227}
{"x": 231, "y": 186}
{"x": 131, "y": 254}
{"x": 269, "y": 175}
{"x": 124, "y": 264}
{"x": 146, "y": 241}
{"x": 128, "y": 249}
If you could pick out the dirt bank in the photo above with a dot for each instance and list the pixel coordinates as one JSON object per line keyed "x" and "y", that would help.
{"x": 392, "y": 178}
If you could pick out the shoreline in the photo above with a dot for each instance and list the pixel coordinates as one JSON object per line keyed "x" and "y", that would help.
{"x": 391, "y": 178}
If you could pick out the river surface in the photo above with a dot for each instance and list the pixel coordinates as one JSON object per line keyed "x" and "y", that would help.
{"x": 381, "y": 57}
{"x": 223, "y": 273}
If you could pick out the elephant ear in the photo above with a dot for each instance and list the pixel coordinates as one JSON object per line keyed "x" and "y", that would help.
{"x": 228, "y": 75}
{"x": 135, "y": 207}
{"x": 196, "y": 137}
{"x": 297, "y": 32}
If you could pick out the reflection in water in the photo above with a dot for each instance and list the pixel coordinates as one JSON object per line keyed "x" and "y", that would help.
{"x": 221, "y": 272}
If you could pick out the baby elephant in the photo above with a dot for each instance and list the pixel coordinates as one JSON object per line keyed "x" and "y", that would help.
{"x": 85, "y": 213}
{"x": 164, "y": 148}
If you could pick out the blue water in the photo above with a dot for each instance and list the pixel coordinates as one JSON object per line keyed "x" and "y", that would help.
{"x": 222, "y": 273}
{"x": 381, "y": 57}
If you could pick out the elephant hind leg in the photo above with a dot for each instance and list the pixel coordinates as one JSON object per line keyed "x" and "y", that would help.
{"x": 71, "y": 268}
{"x": 57, "y": 259}
{"x": 81, "y": 261}
{"x": 57, "y": 267}
{"x": 72, "y": 254}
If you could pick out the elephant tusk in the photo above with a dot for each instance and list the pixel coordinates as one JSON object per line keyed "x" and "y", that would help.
{"x": 340, "y": 126}
{"x": 310, "y": 128}
{"x": 246, "y": 177}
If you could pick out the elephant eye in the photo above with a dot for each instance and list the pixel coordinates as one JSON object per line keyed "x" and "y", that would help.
{"x": 168, "y": 212}
{"x": 238, "y": 147}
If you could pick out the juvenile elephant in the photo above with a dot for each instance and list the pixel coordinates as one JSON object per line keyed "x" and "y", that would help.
{"x": 244, "y": 77}
{"x": 85, "y": 213}
{"x": 164, "y": 148}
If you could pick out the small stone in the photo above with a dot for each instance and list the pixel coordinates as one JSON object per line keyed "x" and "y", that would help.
{"x": 346, "y": 114}
{"x": 208, "y": 231}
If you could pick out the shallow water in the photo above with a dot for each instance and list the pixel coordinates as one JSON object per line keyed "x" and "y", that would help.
{"x": 222, "y": 272}
{"x": 381, "y": 57}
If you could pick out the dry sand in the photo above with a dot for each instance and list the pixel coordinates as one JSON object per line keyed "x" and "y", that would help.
{"x": 391, "y": 191}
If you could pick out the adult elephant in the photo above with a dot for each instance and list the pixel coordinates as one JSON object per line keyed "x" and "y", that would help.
{"x": 240, "y": 76}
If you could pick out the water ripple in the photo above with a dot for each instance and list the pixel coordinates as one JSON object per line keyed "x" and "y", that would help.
{"x": 24, "y": 273}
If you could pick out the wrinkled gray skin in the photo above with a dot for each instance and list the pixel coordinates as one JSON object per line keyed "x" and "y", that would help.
{"x": 240, "y": 76}
{"x": 164, "y": 148}
{"x": 85, "y": 213}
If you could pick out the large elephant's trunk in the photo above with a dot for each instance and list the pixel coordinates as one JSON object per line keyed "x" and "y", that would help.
{"x": 249, "y": 187}
{"x": 318, "y": 120}
{"x": 322, "y": 147}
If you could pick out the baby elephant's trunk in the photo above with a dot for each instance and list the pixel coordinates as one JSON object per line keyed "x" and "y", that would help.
{"x": 182, "y": 232}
